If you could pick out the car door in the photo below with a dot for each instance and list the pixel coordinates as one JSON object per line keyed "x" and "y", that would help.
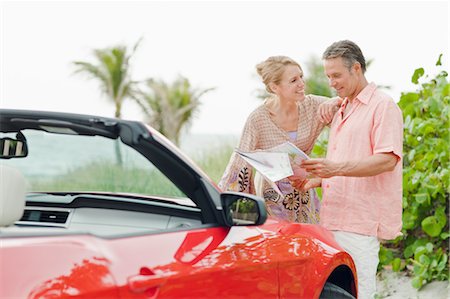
{"x": 211, "y": 262}
{"x": 53, "y": 267}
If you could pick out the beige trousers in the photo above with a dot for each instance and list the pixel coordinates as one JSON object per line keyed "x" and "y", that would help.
{"x": 364, "y": 251}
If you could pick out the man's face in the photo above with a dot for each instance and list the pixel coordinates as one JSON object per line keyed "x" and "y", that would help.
{"x": 341, "y": 78}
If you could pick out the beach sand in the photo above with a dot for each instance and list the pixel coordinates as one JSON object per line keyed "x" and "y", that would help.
{"x": 392, "y": 285}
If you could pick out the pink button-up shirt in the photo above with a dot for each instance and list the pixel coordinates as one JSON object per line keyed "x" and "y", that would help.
{"x": 365, "y": 205}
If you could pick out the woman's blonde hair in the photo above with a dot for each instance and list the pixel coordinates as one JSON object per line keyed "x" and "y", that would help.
{"x": 271, "y": 70}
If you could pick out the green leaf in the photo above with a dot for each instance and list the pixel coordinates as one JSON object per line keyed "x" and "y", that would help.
{"x": 417, "y": 282}
{"x": 428, "y": 128}
{"x": 396, "y": 264}
{"x": 438, "y": 62}
{"x": 424, "y": 259}
{"x": 416, "y": 177}
{"x": 441, "y": 217}
{"x": 385, "y": 255}
{"x": 420, "y": 250}
{"x": 435, "y": 106}
{"x": 408, "y": 99}
{"x": 421, "y": 197}
{"x": 407, "y": 121}
{"x": 409, "y": 220}
{"x": 445, "y": 235}
{"x": 431, "y": 226}
{"x": 409, "y": 251}
{"x": 411, "y": 155}
{"x": 418, "y": 268}
{"x": 443, "y": 263}
{"x": 434, "y": 263}
{"x": 417, "y": 74}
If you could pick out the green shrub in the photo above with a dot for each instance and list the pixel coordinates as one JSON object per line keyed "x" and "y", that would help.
{"x": 424, "y": 244}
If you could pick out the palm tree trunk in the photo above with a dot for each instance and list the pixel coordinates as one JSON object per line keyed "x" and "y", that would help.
{"x": 118, "y": 153}
{"x": 117, "y": 113}
{"x": 117, "y": 145}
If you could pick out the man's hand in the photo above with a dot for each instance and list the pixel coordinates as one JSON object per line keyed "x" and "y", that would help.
{"x": 327, "y": 110}
{"x": 322, "y": 168}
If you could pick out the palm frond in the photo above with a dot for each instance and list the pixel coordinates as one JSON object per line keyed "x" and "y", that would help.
{"x": 112, "y": 70}
{"x": 169, "y": 107}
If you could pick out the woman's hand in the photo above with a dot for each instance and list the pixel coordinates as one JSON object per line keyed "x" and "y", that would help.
{"x": 304, "y": 184}
{"x": 312, "y": 183}
{"x": 298, "y": 179}
{"x": 327, "y": 110}
{"x": 297, "y": 182}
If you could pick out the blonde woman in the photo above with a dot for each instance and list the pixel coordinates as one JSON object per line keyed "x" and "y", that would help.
{"x": 287, "y": 115}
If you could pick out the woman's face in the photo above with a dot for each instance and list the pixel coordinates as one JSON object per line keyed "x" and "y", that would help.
{"x": 291, "y": 86}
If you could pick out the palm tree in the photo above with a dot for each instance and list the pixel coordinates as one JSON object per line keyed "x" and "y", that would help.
{"x": 169, "y": 108}
{"x": 112, "y": 71}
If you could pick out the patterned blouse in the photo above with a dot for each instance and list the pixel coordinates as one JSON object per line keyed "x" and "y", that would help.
{"x": 261, "y": 133}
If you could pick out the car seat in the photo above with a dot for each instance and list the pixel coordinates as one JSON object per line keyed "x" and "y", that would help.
{"x": 12, "y": 195}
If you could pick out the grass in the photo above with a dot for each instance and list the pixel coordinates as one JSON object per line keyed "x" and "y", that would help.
{"x": 213, "y": 162}
{"x": 110, "y": 177}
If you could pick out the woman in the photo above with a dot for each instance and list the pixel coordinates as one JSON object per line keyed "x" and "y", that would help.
{"x": 288, "y": 115}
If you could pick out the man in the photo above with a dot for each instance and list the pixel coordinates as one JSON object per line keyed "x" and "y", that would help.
{"x": 361, "y": 177}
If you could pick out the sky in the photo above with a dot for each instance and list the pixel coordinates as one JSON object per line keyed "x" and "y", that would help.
{"x": 212, "y": 43}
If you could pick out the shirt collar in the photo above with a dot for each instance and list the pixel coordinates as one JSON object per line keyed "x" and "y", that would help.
{"x": 365, "y": 94}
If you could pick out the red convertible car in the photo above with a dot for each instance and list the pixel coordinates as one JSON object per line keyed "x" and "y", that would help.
{"x": 94, "y": 207}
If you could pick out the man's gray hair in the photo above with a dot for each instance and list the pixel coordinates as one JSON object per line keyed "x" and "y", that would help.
{"x": 349, "y": 51}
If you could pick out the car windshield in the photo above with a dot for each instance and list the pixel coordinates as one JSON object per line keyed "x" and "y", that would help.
{"x": 77, "y": 163}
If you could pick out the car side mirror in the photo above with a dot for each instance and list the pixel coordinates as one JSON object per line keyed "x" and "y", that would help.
{"x": 13, "y": 147}
{"x": 241, "y": 209}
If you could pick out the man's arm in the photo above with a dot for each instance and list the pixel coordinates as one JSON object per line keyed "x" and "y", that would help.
{"x": 369, "y": 166}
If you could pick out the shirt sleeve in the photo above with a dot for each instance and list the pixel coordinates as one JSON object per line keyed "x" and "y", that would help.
{"x": 387, "y": 134}
{"x": 238, "y": 175}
